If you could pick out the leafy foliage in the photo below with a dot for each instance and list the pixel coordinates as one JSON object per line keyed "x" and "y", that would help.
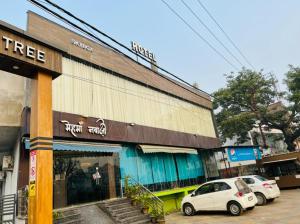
{"x": 249, "y": 99}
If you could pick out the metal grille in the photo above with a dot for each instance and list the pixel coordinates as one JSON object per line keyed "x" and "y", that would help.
{"x": 7, "y": 209}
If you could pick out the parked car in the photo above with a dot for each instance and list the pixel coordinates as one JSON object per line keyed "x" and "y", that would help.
{"x": 232, "y": 195}
{"x": 264, "y": 189}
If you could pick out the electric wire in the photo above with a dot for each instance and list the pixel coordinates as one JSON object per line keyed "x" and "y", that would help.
{"x": 211, "y": 32}
{"x": 35, "y": 2}
{"x": 199, "y": 35}
{"x": 96, "y": 39}
{"x": 225, "y": 33}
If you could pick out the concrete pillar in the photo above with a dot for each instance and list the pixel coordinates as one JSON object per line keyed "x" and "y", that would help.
{"x": 41, "y": 154}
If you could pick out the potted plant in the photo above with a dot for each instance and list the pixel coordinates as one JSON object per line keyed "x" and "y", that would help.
{"x": 161, "y": 218}
{"x": 144, "y": 200}
{"x": 153, "y": 215}
{"x": 134, "y": 194}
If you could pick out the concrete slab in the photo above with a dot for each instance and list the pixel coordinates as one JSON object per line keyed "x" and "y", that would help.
{"x": 92, "y": 214}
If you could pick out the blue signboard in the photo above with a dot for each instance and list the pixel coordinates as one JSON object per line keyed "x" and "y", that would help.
{"x": 236, "y": 154}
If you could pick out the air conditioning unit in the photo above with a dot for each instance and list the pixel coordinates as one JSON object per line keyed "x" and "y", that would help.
{"x": 8, "y": 163}
{"x": 2, "y": 176}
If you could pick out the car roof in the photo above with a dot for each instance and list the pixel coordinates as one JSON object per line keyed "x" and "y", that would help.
{"x": 248, "y": 176}
{"x": 226, "y": 180}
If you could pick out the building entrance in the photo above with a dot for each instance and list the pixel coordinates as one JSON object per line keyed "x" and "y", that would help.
{"x": 81, "y": 177}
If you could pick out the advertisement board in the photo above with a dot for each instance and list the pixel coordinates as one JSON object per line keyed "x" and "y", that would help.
{"x": 236, "y": 154}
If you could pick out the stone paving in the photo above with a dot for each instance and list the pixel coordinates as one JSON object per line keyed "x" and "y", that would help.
{"x": 284, "y": 210}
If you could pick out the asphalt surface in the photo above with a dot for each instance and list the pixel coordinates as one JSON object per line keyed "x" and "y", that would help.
{"x": 284, "y": 210}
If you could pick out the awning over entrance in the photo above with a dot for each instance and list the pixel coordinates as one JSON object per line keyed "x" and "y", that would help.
{"x": 280, "y": 160}
{"x": 166, "y": 149}
{"x": 81, "y": 146}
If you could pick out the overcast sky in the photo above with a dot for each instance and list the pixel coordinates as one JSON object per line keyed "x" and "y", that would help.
{"x": 267, "y": 32}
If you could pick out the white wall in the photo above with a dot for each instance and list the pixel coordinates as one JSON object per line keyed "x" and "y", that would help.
{"x": 12, "y": 98}
{"x": 91, "y": 92}
{"x": 11, "y": 181}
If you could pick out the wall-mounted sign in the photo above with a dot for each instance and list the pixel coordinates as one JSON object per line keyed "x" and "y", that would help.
{"x": 101, "y": 130}
{"x": 32, "y": 170}
{"x": 22, "y": 54}
{"x": 143, "y": 51}
{"x": 82, "y": 45}
{"x": 24, "y": 50}
{"x": 237, "y": 154}
{"x": 78, "y": 128}
{"x": 73, "y": 128}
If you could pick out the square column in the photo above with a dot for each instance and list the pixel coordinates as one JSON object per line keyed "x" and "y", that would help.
{"x": 41, "y": 153}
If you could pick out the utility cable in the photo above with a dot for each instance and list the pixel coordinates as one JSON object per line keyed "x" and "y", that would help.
{"x": 226, "y": 35}
{"x": 211, "y": 32}
{"x": 110, "y": 46}
{"x": 199, "y": 35}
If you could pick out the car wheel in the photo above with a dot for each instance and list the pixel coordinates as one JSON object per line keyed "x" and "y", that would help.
{"x": 251, "y": 208}
{"x": 188, "y": 209}
{"x": 261, "y": 199}
{"x": 234, "y": 208}
{"x": 271, "y": 199}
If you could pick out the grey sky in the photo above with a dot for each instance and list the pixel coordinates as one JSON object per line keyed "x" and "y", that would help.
{"x": 267, "y": 32}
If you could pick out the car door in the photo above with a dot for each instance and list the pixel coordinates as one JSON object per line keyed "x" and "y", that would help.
{"x": 202, "y": 198}
{"x": 222, "y": 194}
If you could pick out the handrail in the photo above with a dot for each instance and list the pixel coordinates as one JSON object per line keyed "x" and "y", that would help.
{"x": 136, "y": 190}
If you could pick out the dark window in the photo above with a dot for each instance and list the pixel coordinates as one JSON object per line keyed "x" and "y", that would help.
{"x": 282, "y": 168}
{"x": 221, "y": 186}
{"x": 261, "y": 178}
{"x": 249, "y": 180}
{"x": 207, "y": 188}
{"x": 242, "y": 186}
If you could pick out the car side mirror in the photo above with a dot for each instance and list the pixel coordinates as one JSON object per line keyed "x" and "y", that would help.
{"x": 193, "y": 194}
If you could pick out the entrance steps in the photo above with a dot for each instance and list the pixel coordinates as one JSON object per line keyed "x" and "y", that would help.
{"x": 88, "y": 213}
{"x": 122, "y": 212}
{"x": 68, "y": 216}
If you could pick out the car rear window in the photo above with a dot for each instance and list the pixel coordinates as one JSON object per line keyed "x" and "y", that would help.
{"x": 242, "y": 186}
{"x": 261, "y": 178}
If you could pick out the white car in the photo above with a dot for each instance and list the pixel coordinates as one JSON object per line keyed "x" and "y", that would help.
{"x": 264, "y": 189}
{"x": 232, "y": 195}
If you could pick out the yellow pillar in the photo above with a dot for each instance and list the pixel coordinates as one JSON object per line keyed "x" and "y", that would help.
{"x": 41, "y": 154}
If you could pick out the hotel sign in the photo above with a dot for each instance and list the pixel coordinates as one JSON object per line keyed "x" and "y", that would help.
{"x": 143, "y": 51}
{"x": 78, "y": 128}
{"x": 21, "y": 54}
{"x": 82, "y": 45}
{"x": 23, "y": 50}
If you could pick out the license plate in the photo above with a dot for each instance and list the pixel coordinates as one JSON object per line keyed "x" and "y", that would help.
{"x": 250, "y": 198}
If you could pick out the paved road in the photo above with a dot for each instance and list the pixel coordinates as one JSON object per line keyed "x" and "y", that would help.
{"x": 284, "y": 210}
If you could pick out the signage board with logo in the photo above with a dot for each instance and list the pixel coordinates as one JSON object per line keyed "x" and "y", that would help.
{"x": 237, "y": 154}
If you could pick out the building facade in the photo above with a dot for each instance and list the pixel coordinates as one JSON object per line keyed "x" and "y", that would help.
{"x": 113, "y": 117}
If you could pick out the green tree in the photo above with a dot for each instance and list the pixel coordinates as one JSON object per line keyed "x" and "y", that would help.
{"x": 249, "y": 100}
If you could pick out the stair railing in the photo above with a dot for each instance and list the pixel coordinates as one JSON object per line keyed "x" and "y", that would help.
{"x": 8, "y": 209}
{"x": 136, "y": 191}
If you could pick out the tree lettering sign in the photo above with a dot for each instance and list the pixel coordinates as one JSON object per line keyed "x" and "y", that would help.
{"x": 74, "y": 129}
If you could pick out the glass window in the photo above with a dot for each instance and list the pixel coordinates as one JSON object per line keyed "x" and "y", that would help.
{"x": 249, "y": 180}
{"x": 242, "y": 186}
{"x": 81, "y": 177}
{"x": 261, "y": 178}
{"x": 207, "y": 188}
{"x": 221, "y": 186}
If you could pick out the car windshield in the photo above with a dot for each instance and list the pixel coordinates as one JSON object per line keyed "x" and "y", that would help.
{"x": 261, "y": 178}
{"x": 242, "y": 186}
